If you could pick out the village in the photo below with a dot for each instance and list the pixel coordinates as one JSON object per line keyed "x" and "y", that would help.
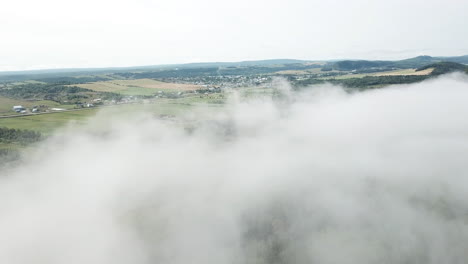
{"x": 21, "y": 110}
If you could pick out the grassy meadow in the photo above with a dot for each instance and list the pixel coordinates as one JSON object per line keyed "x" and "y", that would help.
{"x": 48, "y": 122}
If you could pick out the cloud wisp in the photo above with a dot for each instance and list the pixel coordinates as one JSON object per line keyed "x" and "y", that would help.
{"x": 325, "y": 176}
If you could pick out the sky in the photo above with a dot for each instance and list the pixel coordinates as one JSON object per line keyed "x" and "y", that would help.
{"x": 102, "y": 33}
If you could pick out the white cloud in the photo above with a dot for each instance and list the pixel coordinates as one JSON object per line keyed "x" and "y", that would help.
{"x": 323, "y": 176}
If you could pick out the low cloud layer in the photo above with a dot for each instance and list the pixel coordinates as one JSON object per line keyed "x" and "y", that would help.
{"x": 322, "y": 176}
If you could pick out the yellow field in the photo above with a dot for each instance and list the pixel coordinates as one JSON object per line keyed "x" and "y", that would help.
{"x": 143, "y": 85}
{"x": 405, "y": 72}
{"x": 385, "y": 73}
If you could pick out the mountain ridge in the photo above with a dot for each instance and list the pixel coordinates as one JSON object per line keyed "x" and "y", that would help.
{"x": 345, "y": 65}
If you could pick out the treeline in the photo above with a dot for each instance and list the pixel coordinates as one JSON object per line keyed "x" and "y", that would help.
{"x": 212, "y": 71}
{"x": 59, "y": 77}
{"x": 11, "y": 135}
{"x": 54, "y": 92}
{"x": 8, "y": 156}
{"x": 375, "y": 81}
{"x": 168, "y": 73}
{"x": 349, "y": 65}
{"x": 254, "y": 70}
{"x": 444, "y": 67}
{"x": 359, "y": 65}
{"x": 416, "y": 62}
{"x": 71, "y": 80}
{"x": 39, "y": 91}
{"x": 366, "y": 82}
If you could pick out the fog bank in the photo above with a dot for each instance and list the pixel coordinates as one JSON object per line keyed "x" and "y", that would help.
{"x": 321, "y": 176}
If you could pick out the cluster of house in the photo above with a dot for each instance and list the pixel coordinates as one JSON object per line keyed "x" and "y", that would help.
{"x": 90, "y": 104}
{"x": 83, "y": 105}
{"x": 22, "y": 110}
{"x": 19, "y": 109}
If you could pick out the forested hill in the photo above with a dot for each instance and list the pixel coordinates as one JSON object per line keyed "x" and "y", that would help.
{"x": 191, "y": 70}
{"x": 444, "y": 67}
{"x": 416, "y": 62}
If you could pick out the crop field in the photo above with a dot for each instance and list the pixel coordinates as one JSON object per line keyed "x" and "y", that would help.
{"x": 405, "y": 72}
{"x": 137, "y": 87}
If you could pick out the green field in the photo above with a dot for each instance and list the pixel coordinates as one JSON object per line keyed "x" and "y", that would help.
{"x": 47, "y": 123}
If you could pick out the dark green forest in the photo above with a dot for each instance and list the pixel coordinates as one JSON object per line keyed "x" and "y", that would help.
{"x": 444, "y": 67}
{"x": 53, "y": 92}
{"x": 365, "y": 82}
{"x": 10, "y": 135}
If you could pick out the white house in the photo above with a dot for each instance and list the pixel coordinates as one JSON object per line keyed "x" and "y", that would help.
{"x": 18, "y": 108}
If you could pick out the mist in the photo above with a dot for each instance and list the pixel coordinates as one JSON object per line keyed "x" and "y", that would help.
{"x": 321, "y": 175}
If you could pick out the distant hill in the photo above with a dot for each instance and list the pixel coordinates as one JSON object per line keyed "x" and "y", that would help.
{"x": 459, "y": 59}
{"x": 353, "y": 65}
{"x": 222, "y": 68}
{"x": 239, "y": 64}
{"x": 444, "y": 67}
{"x": 416, "y": 62}
{"x": 81, "y": 71}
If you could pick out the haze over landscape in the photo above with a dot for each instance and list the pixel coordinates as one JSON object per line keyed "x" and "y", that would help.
{"x": 246, "y": 132}
{"x": 322, "y": 175}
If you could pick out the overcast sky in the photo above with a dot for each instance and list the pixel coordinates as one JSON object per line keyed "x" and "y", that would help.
{"x": 96, "y": 33}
